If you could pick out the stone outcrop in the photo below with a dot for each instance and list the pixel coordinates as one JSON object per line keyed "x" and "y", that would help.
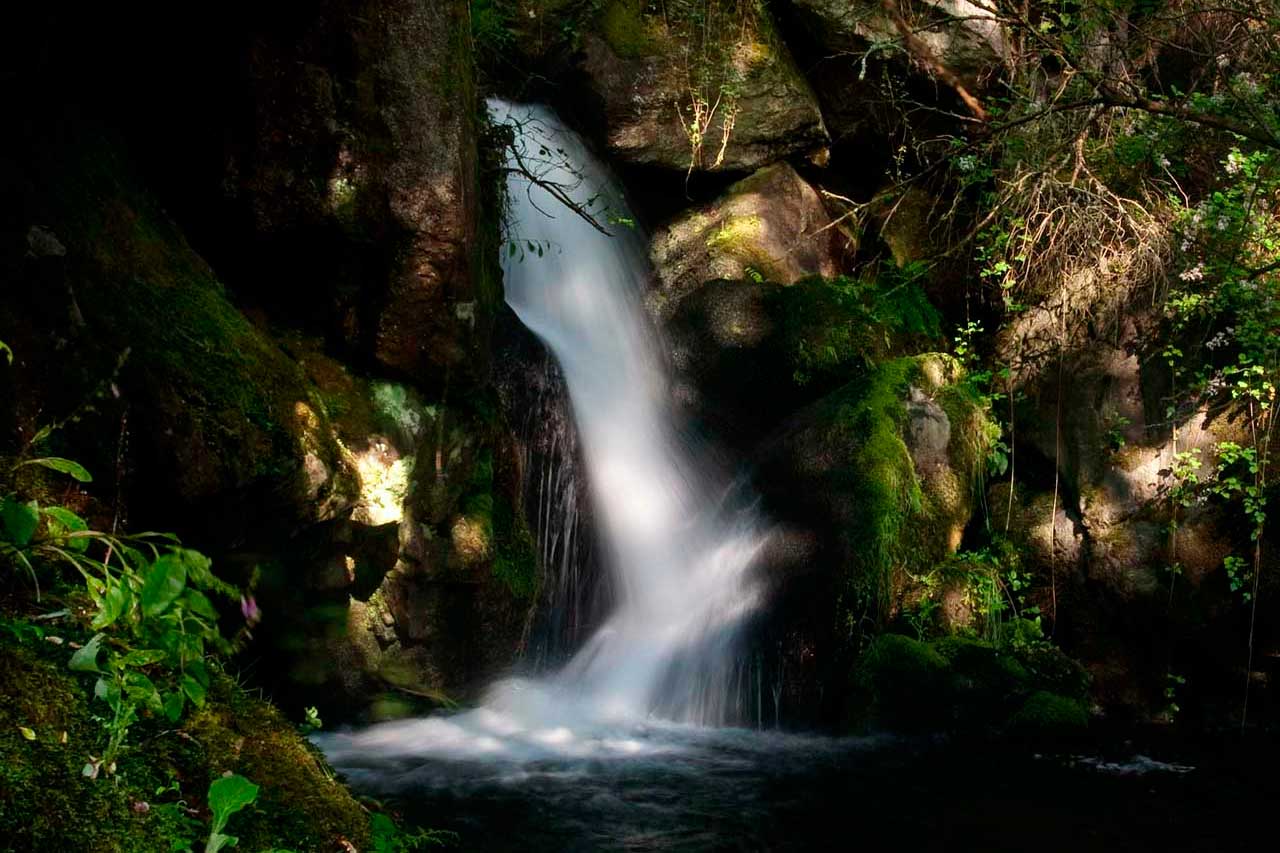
{"x": 224, "y": 434}
{"x": 885, "y": 468}
{"x": 358, "y": 171}
{"x": 734, "y": 103}
{"x": 962, "y": 36}
{"x": 770, "y": 226}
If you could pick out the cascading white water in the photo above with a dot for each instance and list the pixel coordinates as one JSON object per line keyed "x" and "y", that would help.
{"x": 680, "y": 557}
{"x": 679, "y": 543}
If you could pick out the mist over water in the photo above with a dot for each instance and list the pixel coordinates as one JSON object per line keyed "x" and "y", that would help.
{"x": 680, "y": 541}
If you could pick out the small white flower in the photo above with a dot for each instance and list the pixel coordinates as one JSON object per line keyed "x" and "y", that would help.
{"x": 1222, "y": 223}
{"x": 1163, "y": 161}
{"x": 1196, "y": 273}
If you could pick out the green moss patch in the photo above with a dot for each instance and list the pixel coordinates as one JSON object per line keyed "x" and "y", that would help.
{"x": 47, "y": 804}
{"x": 963, "y": 684}
{"x": 626, "y": 29}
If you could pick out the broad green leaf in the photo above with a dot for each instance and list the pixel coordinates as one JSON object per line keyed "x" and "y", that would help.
{"x": 19, "y": 521}
{"x": 27, "y": 733}
{"x": 86, "y": 659}
{"x": 229, "y": 795}
{"x": 194, "y": 690}
{"x": 165, "y": 582}
{"x": 63, "y": 466}
{"x": 143, "y": 690}
{"x": 62, "y": 521}
{"x": 8, "y": 353}
{"x": 113, "y": 605}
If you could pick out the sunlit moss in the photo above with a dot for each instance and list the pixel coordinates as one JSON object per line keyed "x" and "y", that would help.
{"x": 627, "y": 31}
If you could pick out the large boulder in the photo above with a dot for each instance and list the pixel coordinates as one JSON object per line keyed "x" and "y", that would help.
{"x": 682, "y": 96}
{"x": 770, "y": 226}
{"x": 357, "y": 176}
{"x": 964, "y": 37}
{"x": 885, "y": 470}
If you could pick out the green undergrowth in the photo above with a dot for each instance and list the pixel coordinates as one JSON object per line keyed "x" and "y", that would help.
{"x": 156, "y": 798}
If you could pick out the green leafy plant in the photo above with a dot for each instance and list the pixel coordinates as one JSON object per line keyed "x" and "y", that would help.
{"x": 154, "y": 619}
{"x": 227, "y": 796}
{"x": 311, "y": 721}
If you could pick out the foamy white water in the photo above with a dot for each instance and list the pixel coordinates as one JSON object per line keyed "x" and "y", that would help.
{"x": 679, "y": 546}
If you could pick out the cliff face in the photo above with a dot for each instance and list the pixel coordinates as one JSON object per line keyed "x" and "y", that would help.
{"x": 283, "y": 336}
{"x": 291, "y": 224}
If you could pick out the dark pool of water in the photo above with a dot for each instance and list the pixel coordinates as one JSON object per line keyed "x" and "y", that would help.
{"x": 744, "y": 791}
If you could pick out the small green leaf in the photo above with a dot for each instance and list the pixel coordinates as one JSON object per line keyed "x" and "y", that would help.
{"x": 113, "y": 605}
{"x": 63, "y": 521}
{"x": 173, "y": 704}
{"x": 143, "y": 657}
{"x": 195, "y": 601}
{"x": 165, "y": 582}
{"x": 63, "y": 466}
{"x": 8, "y": 353}
{"x": 194, "y": 690}
{"x": 27, "y": 733}
{"x": 229, "y": 795}
{"x": 19, "y": 521}
{"x": 86, "y": 659}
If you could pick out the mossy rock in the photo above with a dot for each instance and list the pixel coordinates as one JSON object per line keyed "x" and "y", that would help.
{"x": 639, "y": 62}
{"x": 907, "y": 682}
{"x": 909, "y": 500}
{"x": 1049, "y": 715}
{"x": 300, "y": 805}
{"x": 1054, "y": 670}
{"x": 982, "y": 668}
{"x": 770, "y": 226}
{"x": 224, "y": 427}
{"x": 47, "y": 804}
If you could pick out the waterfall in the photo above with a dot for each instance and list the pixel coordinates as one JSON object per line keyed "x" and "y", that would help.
{"x": 679, "y": 545}
{"x": 679, "y": 538}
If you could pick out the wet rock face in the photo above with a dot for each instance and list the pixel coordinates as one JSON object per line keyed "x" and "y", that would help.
{"x": 362, "y": 148}
{"x": 753, "y": 106}
{"x": 770, "y": 226}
